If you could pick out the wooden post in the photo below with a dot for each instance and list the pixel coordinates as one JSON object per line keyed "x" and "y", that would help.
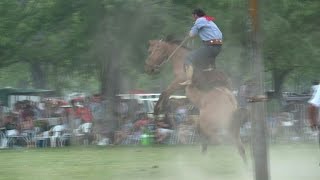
{"x": 259, "y": 142}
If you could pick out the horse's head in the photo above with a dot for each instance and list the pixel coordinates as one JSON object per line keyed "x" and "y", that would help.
{"x": 158, "y": 53}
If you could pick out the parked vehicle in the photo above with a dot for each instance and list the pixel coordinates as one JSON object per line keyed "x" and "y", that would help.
{"x": 147, "y": 101}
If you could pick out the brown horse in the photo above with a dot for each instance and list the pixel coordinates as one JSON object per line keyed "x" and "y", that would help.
{"x": 217, "y": 106}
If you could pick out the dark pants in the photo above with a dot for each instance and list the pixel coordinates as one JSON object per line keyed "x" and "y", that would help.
{"x": 204, "y": 56}
{"x": 313, "y": 116}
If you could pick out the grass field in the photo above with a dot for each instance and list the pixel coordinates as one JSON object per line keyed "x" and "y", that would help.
{"x": 287, "y": 162}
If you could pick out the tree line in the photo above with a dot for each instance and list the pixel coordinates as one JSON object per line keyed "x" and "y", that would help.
{"x": 101, "y": 45}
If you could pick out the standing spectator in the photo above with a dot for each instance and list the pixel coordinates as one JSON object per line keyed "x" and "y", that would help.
{"x": 74, "y": 115}
{"x": 313, "y": 108}
{"x": 84, "y": 114}
{"x": 243, "y": 94}
{"x": 27, "y": 118}
{"x": 315, "y": 85}
{"x": 102, "y": 127}
{"x": 1, "y": 112}
{"x": 97, "y": 107}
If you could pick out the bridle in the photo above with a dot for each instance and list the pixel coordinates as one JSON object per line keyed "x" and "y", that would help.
{"x": 155, "y": 66}
{"x": 158, "y": 66}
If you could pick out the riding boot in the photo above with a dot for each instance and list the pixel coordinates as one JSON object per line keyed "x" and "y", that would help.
{"x": 189, "y": 73}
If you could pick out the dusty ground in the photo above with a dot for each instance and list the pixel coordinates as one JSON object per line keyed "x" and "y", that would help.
{"x": 287, "y": 162}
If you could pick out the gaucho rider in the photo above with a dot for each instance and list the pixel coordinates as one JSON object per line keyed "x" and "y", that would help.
{"x": 204, "y": 57}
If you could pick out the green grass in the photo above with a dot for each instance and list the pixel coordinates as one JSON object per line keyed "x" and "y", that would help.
{"x": 287, "y": 162}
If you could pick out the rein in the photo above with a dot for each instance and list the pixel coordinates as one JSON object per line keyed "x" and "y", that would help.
{"x": 157, "y": 66}
{"x": 180, "y": 45}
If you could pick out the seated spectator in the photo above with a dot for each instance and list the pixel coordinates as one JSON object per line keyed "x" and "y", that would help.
{"x": 123, "y": 132}
{"x": 9, "y": 123}
{"x": 27, "y": 124}
{"x": 133, "y": 130}
{"x": 164, "y": 130}
{"x": 141, "y": 123}
{"x": 181, "y": 114}
{"x": 185, "y": 130}
{"x": 10, "y": 129}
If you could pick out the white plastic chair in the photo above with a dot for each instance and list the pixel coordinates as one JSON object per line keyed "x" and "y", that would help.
{"x": 57, "y": 134}
{"x": 83, "y": 132}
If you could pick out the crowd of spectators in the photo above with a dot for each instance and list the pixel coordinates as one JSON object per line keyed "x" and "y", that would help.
{"x": 115, "y": 121}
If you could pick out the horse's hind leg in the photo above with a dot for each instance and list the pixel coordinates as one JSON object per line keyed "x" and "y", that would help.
{"x": 204, "y": 140}
{"x": 204, "y": 144}
{"x": 235, "y": 136}
{"x": 241, "y": 149}
{"x": 240, "y": 117}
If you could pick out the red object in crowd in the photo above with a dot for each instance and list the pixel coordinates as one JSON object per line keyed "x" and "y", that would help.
{"x": 78, "y": 99}
{"x": 63, "y": 103}
{"x": 137, "y": 91}
{"x": 84, "y": 114}
{"x": 140, "y": 123}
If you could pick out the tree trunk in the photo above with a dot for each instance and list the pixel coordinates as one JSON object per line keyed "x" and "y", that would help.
{"x": 260, "y": 148}
{"x": 57, "y": 76}
{"x": 39, "y": 76}
{"x": 278, "y": 79}
{"x": 110, "y": 72}
{"x": 109, "y": 87}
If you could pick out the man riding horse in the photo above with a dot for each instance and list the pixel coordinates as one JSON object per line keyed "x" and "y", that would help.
{"x": 203, "y": 59}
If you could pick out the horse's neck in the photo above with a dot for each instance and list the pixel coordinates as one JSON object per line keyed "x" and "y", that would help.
{"x": 178, "y": 57}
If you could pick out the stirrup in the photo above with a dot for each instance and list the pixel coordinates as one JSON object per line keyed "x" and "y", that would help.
{"x": 208, "y": 69}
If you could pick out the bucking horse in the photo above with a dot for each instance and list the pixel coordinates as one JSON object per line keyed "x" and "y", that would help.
{"x": 210, "y": 92}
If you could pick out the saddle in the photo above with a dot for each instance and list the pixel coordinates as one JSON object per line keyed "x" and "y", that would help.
{"x": 206, "y": 80}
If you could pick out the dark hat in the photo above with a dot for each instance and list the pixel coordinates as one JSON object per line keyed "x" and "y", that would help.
{"x": 199, "y": 12}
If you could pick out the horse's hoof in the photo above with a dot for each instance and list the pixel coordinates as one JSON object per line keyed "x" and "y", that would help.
{"x": 204, "y": 150}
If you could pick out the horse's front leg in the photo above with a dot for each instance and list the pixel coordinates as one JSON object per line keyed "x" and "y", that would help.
{"x": 158, "y": 108}
{"x": 164, "y": 97}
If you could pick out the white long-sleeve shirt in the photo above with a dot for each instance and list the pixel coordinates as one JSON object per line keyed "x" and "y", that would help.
{"x": 315, "y": 99}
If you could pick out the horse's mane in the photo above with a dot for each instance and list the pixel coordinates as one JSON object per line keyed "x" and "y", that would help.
{"x": 174, "y": 40}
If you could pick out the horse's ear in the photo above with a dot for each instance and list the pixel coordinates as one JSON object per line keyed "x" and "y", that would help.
{"x": 173, "y": 38}
{"x": 170, "y": 38}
